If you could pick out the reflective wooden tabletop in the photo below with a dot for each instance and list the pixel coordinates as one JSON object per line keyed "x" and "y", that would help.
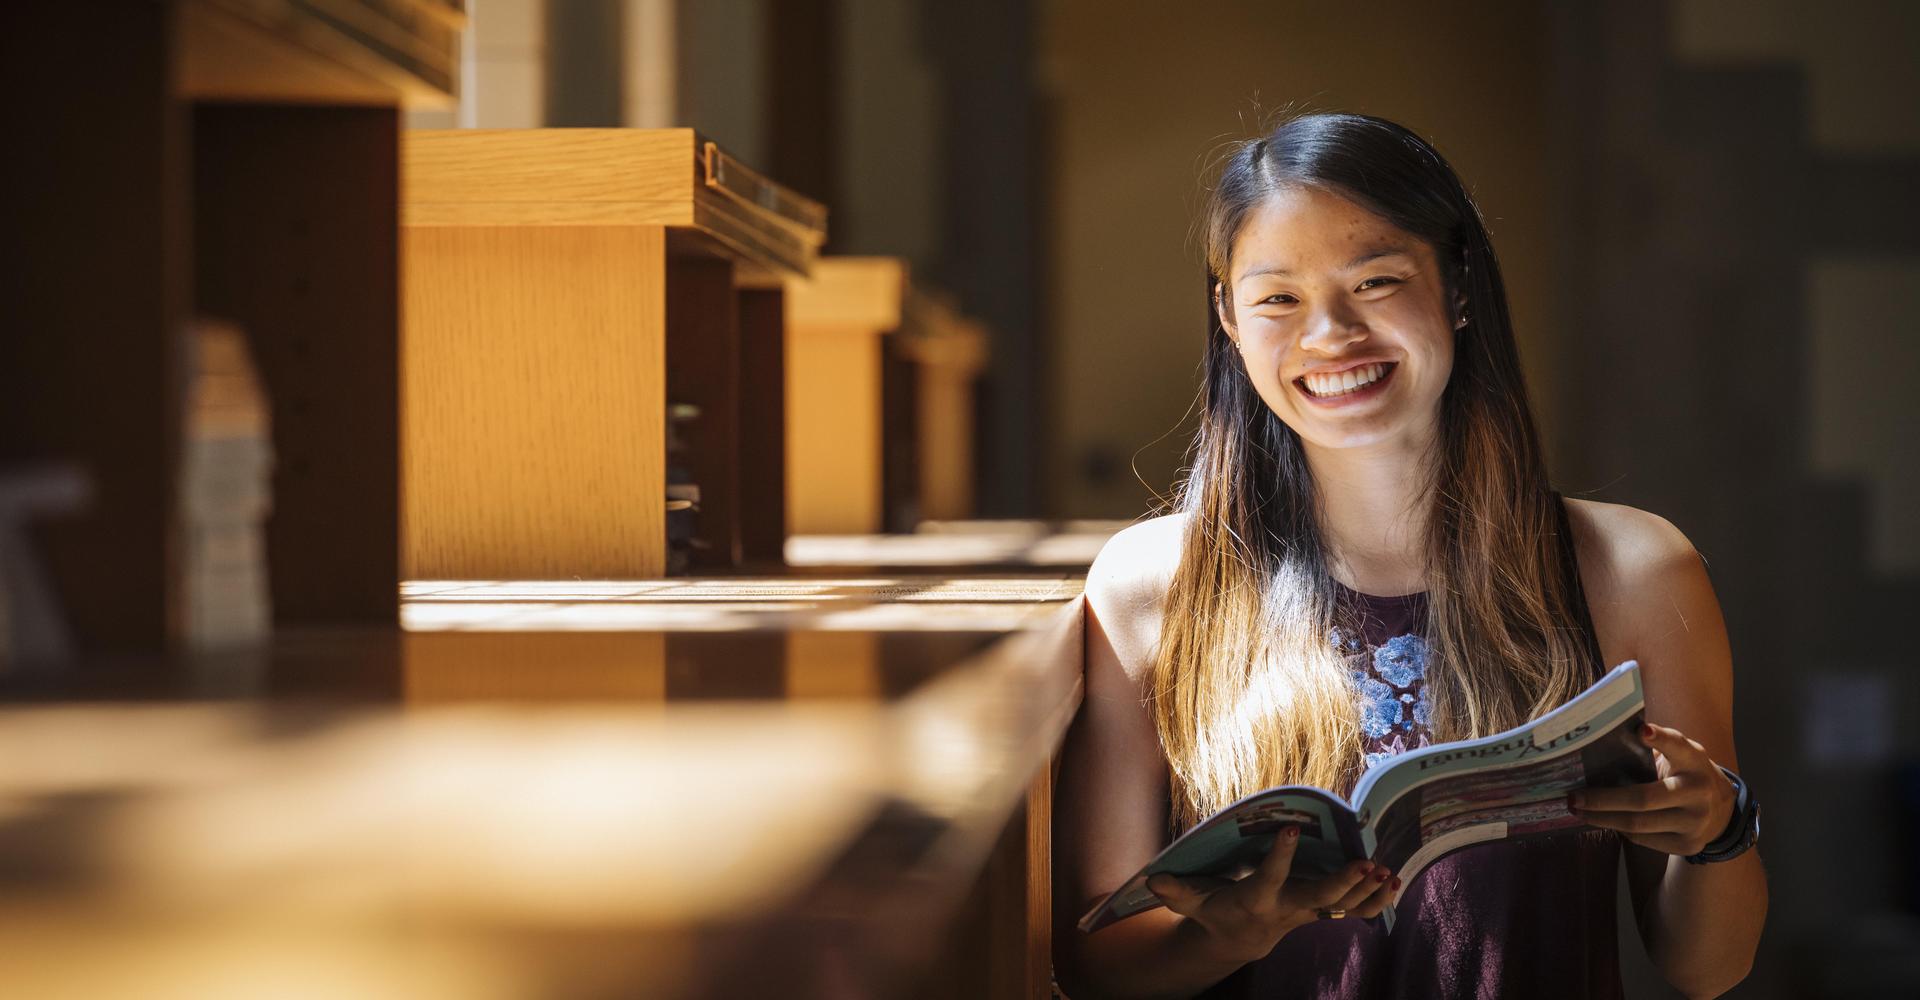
{"x": 535, "y": 790}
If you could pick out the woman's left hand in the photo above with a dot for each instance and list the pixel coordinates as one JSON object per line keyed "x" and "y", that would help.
{"x": 1680, "y": 812}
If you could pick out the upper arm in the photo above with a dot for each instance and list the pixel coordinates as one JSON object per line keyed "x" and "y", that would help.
{"x": 1110, "y": 809}
{"x": 1656, "y": 604}
{"x": 1652, "y": 601}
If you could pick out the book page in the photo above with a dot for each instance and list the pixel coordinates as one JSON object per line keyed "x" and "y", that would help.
{"x": 1514, "y": 784}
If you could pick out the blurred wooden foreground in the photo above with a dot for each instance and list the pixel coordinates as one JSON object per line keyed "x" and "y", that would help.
{"x": 802, "y": 807}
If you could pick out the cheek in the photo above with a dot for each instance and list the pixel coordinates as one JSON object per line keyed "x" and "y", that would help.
{"x": 1443, "y": 361}
{"x": 1263, "y": 365}
{"x": 1263, "y": 371}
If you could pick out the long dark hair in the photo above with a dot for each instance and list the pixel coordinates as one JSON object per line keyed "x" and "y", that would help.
{"x": 1246, "y": 690}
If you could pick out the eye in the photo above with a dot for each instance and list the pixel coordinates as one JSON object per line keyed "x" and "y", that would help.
{"x": 1277, "y": 298}
{"x": 1384, "y": 280}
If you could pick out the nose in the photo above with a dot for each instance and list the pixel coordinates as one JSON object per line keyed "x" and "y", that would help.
{"x": 1331, "y": 328}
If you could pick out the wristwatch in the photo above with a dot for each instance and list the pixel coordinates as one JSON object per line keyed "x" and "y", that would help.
{"x": 1743, "y": 830}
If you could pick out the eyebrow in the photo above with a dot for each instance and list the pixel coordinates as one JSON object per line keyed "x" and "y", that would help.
{"x": 1374, "y": 253}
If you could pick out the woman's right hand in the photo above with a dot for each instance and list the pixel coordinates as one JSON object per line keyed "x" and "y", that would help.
{"x": 1245, "y": 918}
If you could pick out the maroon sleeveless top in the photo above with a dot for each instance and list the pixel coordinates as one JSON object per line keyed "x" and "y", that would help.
{"x": 1525, "y": 918}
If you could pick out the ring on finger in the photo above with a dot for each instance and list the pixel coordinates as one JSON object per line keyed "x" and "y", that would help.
{"x": 1331, "y": 912}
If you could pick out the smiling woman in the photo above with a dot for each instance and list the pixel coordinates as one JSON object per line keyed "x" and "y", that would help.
{"x": 1332, "y": 302}
{"x": 1365, "y": 557}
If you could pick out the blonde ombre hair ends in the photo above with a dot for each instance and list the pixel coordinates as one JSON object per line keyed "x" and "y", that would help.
{"x": 1245, "y": 688}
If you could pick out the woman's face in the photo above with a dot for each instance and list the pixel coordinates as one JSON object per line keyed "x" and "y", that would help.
{"x": 1342, "y": 321}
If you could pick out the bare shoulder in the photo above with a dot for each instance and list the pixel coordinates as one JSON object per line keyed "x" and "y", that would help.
{"x": 1127, "y": 585}
{"x": 1644, "y": 580}
{"x": 1618, "y": 544}
{"x": 1139, "y": 558}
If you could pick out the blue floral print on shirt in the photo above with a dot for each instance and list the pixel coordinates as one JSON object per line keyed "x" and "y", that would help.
{"x": 1395, "y": 712}
{"x": 1402, "y": 660}
{"x": 1379, "y": 708}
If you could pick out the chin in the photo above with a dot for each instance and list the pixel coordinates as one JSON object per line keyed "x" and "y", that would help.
{"x": 1368, "y": 433}
{"x": 1353, "y": 438}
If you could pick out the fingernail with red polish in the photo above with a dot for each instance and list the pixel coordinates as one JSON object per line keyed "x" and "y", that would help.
{"x": 1396, "y": 881}
{"x": 1646, "y": 730}
{"x": 1293, "y": 832}
{"x": 1380, "y": 876}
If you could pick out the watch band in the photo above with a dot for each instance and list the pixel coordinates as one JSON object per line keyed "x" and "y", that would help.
{"x": 1743, "y": 829}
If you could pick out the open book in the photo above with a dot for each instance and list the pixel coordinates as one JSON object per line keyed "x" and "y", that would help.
{"x": 1411, "y": 810}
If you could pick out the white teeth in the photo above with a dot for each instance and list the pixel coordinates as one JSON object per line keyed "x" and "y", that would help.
{"x": 1345, "y": 382}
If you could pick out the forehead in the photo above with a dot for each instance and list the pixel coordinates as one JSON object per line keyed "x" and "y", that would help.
{"x": 1304, "y": 230}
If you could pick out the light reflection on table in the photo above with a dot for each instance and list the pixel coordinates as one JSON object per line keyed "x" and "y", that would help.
{"x": 895, "y": 603}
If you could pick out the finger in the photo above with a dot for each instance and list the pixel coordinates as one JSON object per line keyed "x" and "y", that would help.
{"x": 1326, "y": 890}
{"x": 1278, "y": 864}
{"x": 1180, "y": 897}
{"x": 1675, "y": 745}
{"x": 1649, "y": 821}
{"x": 1370, "y": 883}
{"x": 1382, "y": 897}
{"x": 1643, "y": 795}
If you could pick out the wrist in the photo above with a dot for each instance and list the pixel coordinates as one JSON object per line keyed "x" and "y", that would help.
{"x": 1742, "y": 829}
{"x": 1727, "y": 831}
{"x": 1218, "y": 949}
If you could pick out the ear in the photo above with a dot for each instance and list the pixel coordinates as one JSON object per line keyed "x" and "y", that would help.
{"x": 1220, "y": 310}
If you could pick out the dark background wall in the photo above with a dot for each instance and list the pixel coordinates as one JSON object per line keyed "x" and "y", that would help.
{"x": 1739, "y": 296}
{"x": 1143, "y": 100}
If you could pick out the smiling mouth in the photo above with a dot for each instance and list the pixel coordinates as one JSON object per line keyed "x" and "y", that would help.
{"x": 1348, "y": 383}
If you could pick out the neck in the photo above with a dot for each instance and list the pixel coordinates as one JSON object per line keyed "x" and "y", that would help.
{"x": 1373, "y": 514}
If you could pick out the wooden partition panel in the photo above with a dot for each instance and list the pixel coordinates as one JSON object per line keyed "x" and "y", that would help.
{"x": 235, "y": 160}
{"x": 900, "y": 475}
{"x": 95, "y": 204}
{"x": 946, "y": 426}
{"x": 833, "y": 436}
{"x": 763, "y": 422}
{"x": 839, "y": 319}
{"x": 535, "y": 402}
{"x": 296, "y": 231}
{"x": 703, "y": 368}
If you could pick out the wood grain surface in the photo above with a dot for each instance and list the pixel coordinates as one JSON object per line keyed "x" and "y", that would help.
{"x": 833, "y": 431}
{"x": 865, "y": 292}
{"x": 574, "y": 166}
{"x": 594, "y": 177}
{"x": 534, "y": 402}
